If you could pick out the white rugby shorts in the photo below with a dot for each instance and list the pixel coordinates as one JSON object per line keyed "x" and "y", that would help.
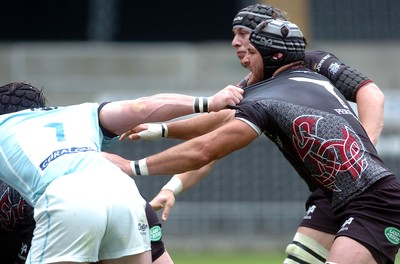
{"x": 87, "y": 217}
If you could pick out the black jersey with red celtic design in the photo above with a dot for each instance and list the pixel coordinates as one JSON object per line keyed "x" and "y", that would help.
{"x": 15, "y": 212}
{"x": 346, "y": 79}
{"x": 316, "y": 130}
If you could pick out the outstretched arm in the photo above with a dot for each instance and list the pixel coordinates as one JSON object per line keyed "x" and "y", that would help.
{"x": 370, "y": 107}
{"x": 181, "y": 129}
{"x": 195, "y": 153}
{"x": 120, "y": 116}
{"x": 192, "y": 154}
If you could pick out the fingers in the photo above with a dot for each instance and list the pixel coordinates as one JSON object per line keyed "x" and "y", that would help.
{"x": 134, "y": 133}
{"x": 156, "y": 206}
{"x": 165, "y": 199}
{"x": 237, "y": 95}
{"x": 134, "y": 136}
{"x": 229, "y": 96}
{"x": 125, "y": 135}
{"x": 167, "y": 209}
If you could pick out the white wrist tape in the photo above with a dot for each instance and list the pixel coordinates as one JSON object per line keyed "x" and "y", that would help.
{"x": 154, "y": 131}
{"x": 175, "y": 185}
{"x": 201, "y": 105}
{"x": 139, "y": 167}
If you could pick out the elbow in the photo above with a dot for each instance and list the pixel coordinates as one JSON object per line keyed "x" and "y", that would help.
{"x": 376, "y": 93}
{"x": 205, "y": 154}
{"x": 379, "y": 96}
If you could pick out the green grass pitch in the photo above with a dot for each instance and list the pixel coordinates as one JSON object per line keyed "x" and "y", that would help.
{"x": 238, "y": 257}
{"x": 242, "y": 257}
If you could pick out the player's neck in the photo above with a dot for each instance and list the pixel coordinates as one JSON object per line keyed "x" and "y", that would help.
{"x": 291, "y": 65}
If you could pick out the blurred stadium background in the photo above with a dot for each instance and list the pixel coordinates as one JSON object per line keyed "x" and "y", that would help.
{"x": 95, "y": 50}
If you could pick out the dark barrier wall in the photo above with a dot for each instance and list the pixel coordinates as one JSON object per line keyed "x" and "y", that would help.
{"x": 117, "y": 20}
{"x": 207, "y": 20}
{"x": 355, "y": 20}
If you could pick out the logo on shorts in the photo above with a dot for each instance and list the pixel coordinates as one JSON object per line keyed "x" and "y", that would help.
{"x": 142, "y": 227}
{"x": 346, "y": 224}
{"x": 393, "y": 235}
{"x": 309, "y": 212}
{"x": 23, "y": 251}
{"x": 155, "y": 233}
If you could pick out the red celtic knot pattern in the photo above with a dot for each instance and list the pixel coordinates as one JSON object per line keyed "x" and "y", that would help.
{"x": 329, "y": 157}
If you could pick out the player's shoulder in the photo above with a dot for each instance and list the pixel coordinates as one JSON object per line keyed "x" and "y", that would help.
{"x": 318, "y": 55}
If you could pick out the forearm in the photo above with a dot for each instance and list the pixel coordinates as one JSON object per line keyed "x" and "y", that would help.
{"x": 184, "y": 157}
{"x": 184, "y": 181}
{"x": 196, "y": 153}
{"x": 370, "y": 107}
{"x": 191, "y": 178}
{"x": 120, "y": 116}
{"x": 198, "y": 125}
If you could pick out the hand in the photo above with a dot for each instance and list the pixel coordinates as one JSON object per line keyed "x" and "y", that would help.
{"x": 123, "y": 164}
{"x": 229, "y": 96}
{"x": 132, "y": 134}
{"x": 148, "y": 131}
{"x": 164, "y": 199}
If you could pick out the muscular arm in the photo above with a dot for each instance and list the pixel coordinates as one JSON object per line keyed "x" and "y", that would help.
{"x": 181, "y": 129}
{"x": 370, "y": 107}
{"x": 120, "y": 116}
{"x": 197, "y": 152}
{"x": 198, "y": 125}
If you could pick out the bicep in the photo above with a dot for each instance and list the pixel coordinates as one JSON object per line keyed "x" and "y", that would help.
{"x": 198, "y": 125}
{"x": 233, "y": 136}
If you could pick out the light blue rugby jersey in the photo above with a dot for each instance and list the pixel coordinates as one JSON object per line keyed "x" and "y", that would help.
{"x": 38, "y": 146}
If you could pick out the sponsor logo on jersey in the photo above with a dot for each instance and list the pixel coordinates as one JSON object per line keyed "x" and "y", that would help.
{"x": 393, "y": 235}
{"x": 58, "y": 153}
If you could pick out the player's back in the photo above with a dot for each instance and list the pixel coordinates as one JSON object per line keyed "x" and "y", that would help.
{"x": 40, "y": 145}
{"x": 316, "y": 130}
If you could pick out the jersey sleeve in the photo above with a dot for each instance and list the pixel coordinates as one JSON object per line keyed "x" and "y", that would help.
{"x": 252, "y": 114}
{"x": 346, "y": 79}
{"x": 109, "y": 138}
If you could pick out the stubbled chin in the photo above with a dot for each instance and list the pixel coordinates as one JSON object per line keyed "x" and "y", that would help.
{"x": 251, "y": 80}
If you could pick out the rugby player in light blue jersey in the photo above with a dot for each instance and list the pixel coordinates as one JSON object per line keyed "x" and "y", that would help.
{"x": 86, "y": 209}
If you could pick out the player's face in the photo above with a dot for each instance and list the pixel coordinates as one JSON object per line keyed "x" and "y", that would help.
{"x": 255, "y": 64}
{"x": 240, "y": 42}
